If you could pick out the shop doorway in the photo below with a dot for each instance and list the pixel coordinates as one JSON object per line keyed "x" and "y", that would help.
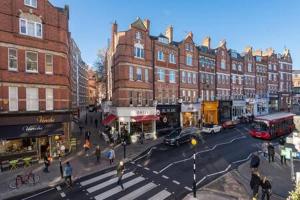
{"x": 44, "y": 146}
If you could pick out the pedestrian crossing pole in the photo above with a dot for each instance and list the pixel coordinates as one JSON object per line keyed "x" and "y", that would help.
{"x": 194, "y": 143}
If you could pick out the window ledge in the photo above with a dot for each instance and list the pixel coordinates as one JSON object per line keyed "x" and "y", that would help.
{"x": 13, "y": 70}
{"x": 32, "y": 72}
{"x": 141, "y": 58}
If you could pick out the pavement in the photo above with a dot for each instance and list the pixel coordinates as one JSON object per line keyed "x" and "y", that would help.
{"x": 82, "y": 165}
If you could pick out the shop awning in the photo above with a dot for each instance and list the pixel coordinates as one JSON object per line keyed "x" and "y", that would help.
{"x": 144, "y": 118}
{"x": 109, "y": 119}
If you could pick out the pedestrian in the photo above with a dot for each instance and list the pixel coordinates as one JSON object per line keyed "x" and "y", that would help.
{"x": 282, "y": 154}
{"x": 98, "y": 153}
{"x": 115, "y": 137}
{"x": 68, "y": 174}
{"x": 254, "y": 163}
{"x": 46, "y": 163}
{"x": 255, "y": 183}
{"x": 87, "y": 147}
{"x": 87, "y": 135}
{"x": 96, "y": 123}
{"x": 266, "y": 188}
{"x": 271, "y": 152}
{"x": 142, "y": 137}
{"x": 111, "y": 156}
{"x": 265, "y": 149}
{"x": 120, "y": 172}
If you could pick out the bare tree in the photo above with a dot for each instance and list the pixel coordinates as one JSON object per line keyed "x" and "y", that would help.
{"x": 99, "y": 64}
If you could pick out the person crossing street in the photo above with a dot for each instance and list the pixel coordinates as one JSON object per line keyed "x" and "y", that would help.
{"x": 120, "y": 172}
{"x": 271, "y": 152}
{"x": 266, "y": 188}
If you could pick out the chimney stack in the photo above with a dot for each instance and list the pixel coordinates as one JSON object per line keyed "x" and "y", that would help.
{"x": 114, "y": 30}
{"x": 169, "y": 33}
{"x": 147, "y": 24}
{"x": 206, "y": 42}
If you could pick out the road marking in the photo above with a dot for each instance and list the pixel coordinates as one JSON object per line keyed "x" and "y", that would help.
{"x": 38, "y": 194}
{"x": 200, "y": 152}
{"x": 139, "y": 165}
{"x": 62, "y": 194}
{"x": 98, "y": 178}
{"x": 146, "y": 168}
{"x": 118, "y": 189}
{"x": 188, "y": 188}
{"x": 155, "y": 172}
{"x": 165, "y": 177}
{"x": 146, "y": 154}
{"x": 220, "y": 172}
{"x": 138, "y": 192}
{"x": 132, "y": 162}
{"x": 176, "y": 182}
{"x": 161, "y": 195}
{"x": 58, "y": 188}
{"x": 107, "y": 183}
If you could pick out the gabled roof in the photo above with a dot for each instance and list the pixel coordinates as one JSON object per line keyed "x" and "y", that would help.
{"x": 162, "y": 36}
{"x": 206, "y": 50}
{"x": 139, "y": 24}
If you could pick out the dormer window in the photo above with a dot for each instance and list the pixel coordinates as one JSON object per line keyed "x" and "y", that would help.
{"x": 138, "y": 35}
{"x": 189, "y": 47}
{"x": 30, "y": 28}
{"x": 163, "y": 40}
{"x": 31, "y": 3}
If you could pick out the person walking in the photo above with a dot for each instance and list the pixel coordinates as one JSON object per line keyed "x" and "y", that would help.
{"x": 46, "y": 163}
{"x": 87, "y": 146}
{"x": 111, "y": 156}
{"x": 96, "y": 123}
{"x": 68, "y": 174}
{"x": 271, "y": 152}
{"x": 98, "y": 153}
{"x": 255, "y": 183}
{"x": 255, "y": 161}
{"x": 142, "y": 137}
{"x": 282, "y": 154}
{"x": 120, "y": 172}
{"x": 265, "y": 149}
{"x": 266, "y": 188}
{"x": 87, "y": 135}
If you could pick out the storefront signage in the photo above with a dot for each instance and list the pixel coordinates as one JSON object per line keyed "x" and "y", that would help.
{"x": 45, "y": 119}
{"x": 31, "y": 128}
{"x": 238, "y": 103}
{"x": 190, "y": 107}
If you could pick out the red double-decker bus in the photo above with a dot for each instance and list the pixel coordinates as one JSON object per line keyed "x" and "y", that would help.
{"x": 271, "y": 126}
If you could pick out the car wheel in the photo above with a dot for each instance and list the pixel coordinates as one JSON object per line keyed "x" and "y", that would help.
{"x": 177, "y": 143}
{"x": 212, "y": 132}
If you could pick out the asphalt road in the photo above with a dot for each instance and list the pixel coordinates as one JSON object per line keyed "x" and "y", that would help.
{"x": 164, "y": 172}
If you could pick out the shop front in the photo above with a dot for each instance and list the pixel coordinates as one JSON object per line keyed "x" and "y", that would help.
{"x": 225, "y": 111}
{"x": 238, "y": 109}
{"x": 273, "y": 103}
{"x": 210, "y": 112}
{"x": 136, "y": 120}
{"x": 36, "y": 136}
{"x": 250, "y": 102}
{"x": 189, "y": 114}
{"x": 169, "y": 116}
{"x": 261, "y": 106}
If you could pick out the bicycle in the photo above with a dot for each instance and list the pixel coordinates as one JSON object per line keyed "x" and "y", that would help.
{"x": 29, "y": 178}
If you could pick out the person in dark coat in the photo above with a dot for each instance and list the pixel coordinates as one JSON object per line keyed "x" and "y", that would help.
{"x": 266, "y": 188}
{"x": 87, "y": 135}
{"x": 142, "y": 137}
{"x": 271, "y": 152}
{"x": 46, "y": 163}
{"x": 255, "y": 183}
{"x": 96, "y": 123}
{"x": 98, "y": 153}
{"x": 120, "y": 172}
{"x": 254, "y": 163}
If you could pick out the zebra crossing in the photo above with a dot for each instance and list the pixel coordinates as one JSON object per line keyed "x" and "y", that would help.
{"x": 104, "y": 187}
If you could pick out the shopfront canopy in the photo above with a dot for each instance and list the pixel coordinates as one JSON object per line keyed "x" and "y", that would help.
{"x": 143, "y": 118}
{"x": 109, "y": 119}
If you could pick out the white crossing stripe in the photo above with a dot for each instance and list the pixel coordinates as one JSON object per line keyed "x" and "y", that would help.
{"x": 165, "y": 177}
{"x": 176, "y": 182}
{"x": 161, "y": 195}
{"x": 107, "y": 183}
{"x": 155, "y": 172}
{"x": 146, "y": 168}
{"x": 136, "y": 193}
{"x": 98, "y": 178}
{"x": 187, "y": 188}
{"x": 118, "y": 189}
{"x": 62, "y": 194}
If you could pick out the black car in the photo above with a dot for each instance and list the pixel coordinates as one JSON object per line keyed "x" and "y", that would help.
{"x": 180, "y": 136}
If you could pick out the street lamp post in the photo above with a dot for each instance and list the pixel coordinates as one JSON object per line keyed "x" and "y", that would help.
{"x": 194, "y": 143}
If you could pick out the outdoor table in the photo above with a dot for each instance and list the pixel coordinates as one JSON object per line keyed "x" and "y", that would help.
{"x": 13, "y": 164}
{"x": 27, "y": 161}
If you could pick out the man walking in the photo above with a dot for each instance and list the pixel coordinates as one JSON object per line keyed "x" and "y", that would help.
{"x": 282, "y": 154}
{"x": 87, "y": 135}
{"x": 68, "y": 174}
{"x": 266, "y": 188}
{"x": 98, "y": 153}
{"x": 255, "y": 183}
{"x": 46, "y": 163}
{"x": 120, "y": 172}
{"x": 271, "y": 152}
{"x": 255, "y": 161}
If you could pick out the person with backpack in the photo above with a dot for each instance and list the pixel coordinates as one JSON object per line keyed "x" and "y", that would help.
{"x": 120, "y": 172}
{"x": 266, "y": 188}
{"x": 271, "y": 152}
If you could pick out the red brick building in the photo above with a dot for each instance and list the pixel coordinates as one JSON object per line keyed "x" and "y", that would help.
{"x": 34, "y": 77}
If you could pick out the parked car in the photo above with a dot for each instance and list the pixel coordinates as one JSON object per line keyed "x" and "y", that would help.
{"x": 210, "y": 128}
{"x": 228, "y": 124}
{"x": 180, "y": 136}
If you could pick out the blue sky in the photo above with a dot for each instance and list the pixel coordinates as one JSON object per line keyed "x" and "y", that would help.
{"x": 260, "y": 23}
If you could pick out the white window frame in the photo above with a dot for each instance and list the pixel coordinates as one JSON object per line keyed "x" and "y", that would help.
{"x": 37, "y": 61}
{"x": 16, "y": 59}
{"x": 139, "y": 71}
{"x": 194, "y": 78}
{"x": 26, "y": 27}
{"x": 49, "y": 99}
{"x": 249, "y": 67}
{"x": 183, "y": 77}
{"x": 141, "y": 53}
{"x": 223, "y": 63}
{"x": 189, "y": 77}
{"x": 31, "y": 3}
{"x": 172, "y": 58}
{"x": 161, "y": 75}
{"x": 138, "y": 35}
{"x": 160, "y": 56}
{"x": 146, "y": 75}
{"x": 172, "y": 74}
{"x": 13, "y": 99}
{"x": 48, "y": 72}
{"x": 29, "y": 101}
{"x": 189, "y": 60}
{"x": 130, "y": 71}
